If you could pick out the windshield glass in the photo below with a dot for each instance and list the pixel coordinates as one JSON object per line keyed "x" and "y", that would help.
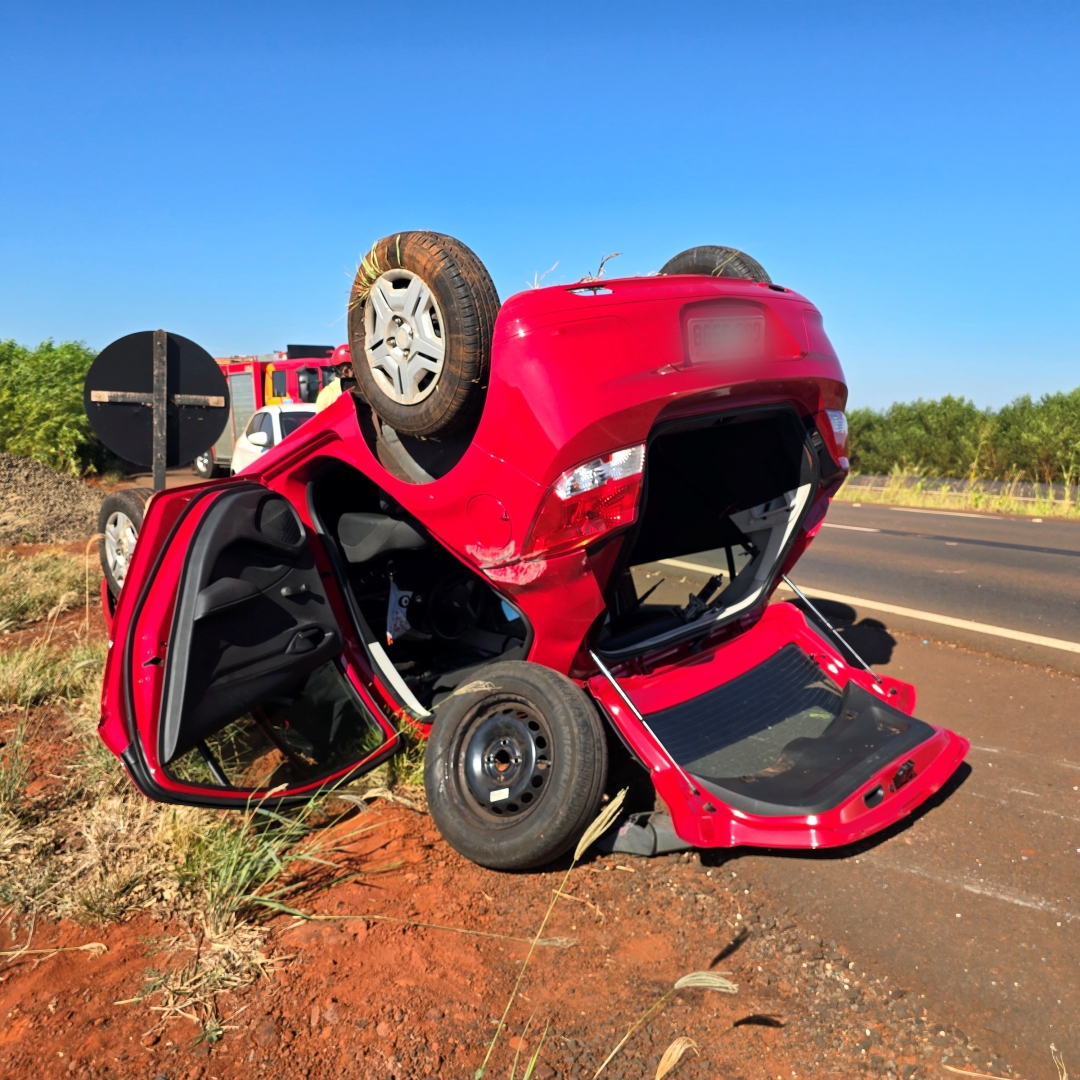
{"x": 290, "y": 421}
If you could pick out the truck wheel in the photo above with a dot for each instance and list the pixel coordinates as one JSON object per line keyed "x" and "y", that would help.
{"x": 205, "y": 465}
{"x": 515, "y": 766}
{"x": 119, "y": 522}
{"x": 716, "y": 261}
{"x": 421, "y": 316}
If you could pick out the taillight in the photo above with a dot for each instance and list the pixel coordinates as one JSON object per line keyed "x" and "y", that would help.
{"x": 839, "y": 428}
{"x": 586, "y": 502}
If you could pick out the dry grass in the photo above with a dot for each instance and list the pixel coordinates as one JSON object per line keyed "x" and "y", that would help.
{"x": 701, "y": 980}
{"x": 673, "y": 1055}
{"x": 42, "y": 673}
{"x": 34, "y": 586}
{"x": 367, "y": 273}
{"x": 603, "y": 821}
{"x": 908, "y": 489}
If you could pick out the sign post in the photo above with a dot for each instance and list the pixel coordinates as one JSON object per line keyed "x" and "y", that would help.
{"x": 171, "y": 378}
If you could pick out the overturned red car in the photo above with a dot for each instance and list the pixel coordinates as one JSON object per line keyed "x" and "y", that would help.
{"x": 458, "y": 548}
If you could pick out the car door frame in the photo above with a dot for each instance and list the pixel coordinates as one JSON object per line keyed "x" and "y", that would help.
{"x": 140, "y": 767}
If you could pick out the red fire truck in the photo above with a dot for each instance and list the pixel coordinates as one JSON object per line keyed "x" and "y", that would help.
{"x": 295, "y": 375}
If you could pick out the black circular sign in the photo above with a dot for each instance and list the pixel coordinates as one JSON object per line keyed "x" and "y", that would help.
{"x": 118, "y": 398}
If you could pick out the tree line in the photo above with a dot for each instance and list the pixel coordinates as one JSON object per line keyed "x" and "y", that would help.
{"x": 41, "y": 406}
{"x": 952, "y": 437}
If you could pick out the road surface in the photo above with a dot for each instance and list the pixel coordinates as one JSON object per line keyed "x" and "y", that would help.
{"x": 974, "y": 902}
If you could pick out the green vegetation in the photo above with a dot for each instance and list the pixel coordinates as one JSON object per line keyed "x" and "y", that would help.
{"x": 41, "y": 406}
{"x": 1037, "y": 441}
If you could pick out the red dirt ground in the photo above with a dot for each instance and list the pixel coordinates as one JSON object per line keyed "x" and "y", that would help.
{"x": 373, "y": 999}
{"x": 378, "y": 999}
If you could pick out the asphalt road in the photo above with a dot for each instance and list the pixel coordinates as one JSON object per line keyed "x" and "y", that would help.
{"x": 1015, "y": 574}
{"x": 973, "y": 903}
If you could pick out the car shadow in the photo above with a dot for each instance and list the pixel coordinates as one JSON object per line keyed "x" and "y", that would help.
{"x": 868, "y": 637}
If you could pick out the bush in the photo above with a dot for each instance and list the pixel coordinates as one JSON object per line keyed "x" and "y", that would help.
{"x": 1025, "y": 440}
{"x": 41, "y": 406}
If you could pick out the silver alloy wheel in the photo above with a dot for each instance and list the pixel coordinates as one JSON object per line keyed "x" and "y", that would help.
{"x": 120, "y": 537}
{"x": 403, "y": 330}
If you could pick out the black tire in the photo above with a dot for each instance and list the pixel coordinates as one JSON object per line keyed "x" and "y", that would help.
{"x": 716, "y": 261}
{"x": 451, "y": 399}
{"x": 522, "y": 711}
{"x": 115, "y": 544}
{"x": 206, "y": 466}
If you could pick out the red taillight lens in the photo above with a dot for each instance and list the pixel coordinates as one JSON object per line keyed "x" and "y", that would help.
{"x": 586, "y": 502}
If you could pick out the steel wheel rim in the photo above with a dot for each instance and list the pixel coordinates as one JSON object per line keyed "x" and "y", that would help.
{"x": 120, "y": 537}
{"x": 404, "y": 336}
{"x": 505, "y": 761}
{"x": 202, "y": 462}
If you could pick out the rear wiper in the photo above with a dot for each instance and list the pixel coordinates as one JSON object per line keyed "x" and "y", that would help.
{"x": 699, "y": 604}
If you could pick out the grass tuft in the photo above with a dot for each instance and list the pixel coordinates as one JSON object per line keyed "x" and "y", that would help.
{"x": 40, "y": 673}
{"x": 673, "y": 1055}
{"x": 34, "y": 586}
{"x": 368, "y": 272}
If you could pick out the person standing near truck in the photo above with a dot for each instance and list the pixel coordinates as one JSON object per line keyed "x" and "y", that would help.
{"x": 345, "y": 380}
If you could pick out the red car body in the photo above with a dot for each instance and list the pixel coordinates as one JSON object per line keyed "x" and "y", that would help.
{"x": 577, "y": 372}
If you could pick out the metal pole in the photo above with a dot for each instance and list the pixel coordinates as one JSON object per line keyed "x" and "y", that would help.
{"x": 829, "y": 626}
{"x": 160, "y": 406}
{"x": 641, "y": 719}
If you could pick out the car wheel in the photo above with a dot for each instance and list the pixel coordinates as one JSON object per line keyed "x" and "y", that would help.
{"x": 716, "y": 261}
{"x": 119, "y": 522}
{"x": 421, "y": 315}
{"x": 516, "y": 766}
{"x": 205, "y": 466}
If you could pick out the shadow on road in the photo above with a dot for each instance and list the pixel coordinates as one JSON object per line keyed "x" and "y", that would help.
{"x": 868, "y": 638}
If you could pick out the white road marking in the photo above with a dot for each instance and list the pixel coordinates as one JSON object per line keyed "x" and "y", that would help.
{"x": 710, "y": 570}
{"x": 980, "y": 888}
{"x": 911, "y": 613}
{"x": 948, "y": 620}
{"x": 1024, "y": 753}
{"x": 850, "y": 528}
{"x": 1002, "y": 802}
{"x": 940, "y": 513}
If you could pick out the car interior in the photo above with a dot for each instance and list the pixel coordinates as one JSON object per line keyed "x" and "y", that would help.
{"x": 436, "y": 620}
{"x": 727, "y": 492}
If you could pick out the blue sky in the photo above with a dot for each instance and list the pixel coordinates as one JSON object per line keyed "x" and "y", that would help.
{"x": 219, "y": 168}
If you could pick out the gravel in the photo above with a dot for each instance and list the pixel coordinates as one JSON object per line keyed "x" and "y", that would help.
{"x": 40, "y": 506}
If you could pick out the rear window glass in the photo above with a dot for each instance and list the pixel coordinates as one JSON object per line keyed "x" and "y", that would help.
{"x": 279, "y": 383}
{"x": 290, "y": 421}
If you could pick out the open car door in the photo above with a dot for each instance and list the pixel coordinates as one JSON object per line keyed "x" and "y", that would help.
{"x": 233, "y": 674}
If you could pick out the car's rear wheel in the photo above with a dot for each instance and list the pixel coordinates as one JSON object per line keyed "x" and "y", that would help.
{"x": 716, "y": 261}
{"x": 421, "y": 316}
{"x": 206, "y": 466}
{"x": 119, "y": 522}
{"x": 516, "y": 766}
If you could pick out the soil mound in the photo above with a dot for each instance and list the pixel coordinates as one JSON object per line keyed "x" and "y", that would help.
{"x": 40, "y": 506}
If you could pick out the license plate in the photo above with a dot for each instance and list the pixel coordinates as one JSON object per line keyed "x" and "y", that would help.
{"x": 726, "y": 337}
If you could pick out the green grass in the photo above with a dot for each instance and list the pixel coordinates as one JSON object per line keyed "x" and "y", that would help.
{"x": 32, "y": 586}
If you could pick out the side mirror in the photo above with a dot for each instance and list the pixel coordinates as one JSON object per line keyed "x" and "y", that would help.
{"x": 259, "y": 438}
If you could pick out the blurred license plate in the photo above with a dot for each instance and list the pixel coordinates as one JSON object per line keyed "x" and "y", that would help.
{"x": 726, "y": 337}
